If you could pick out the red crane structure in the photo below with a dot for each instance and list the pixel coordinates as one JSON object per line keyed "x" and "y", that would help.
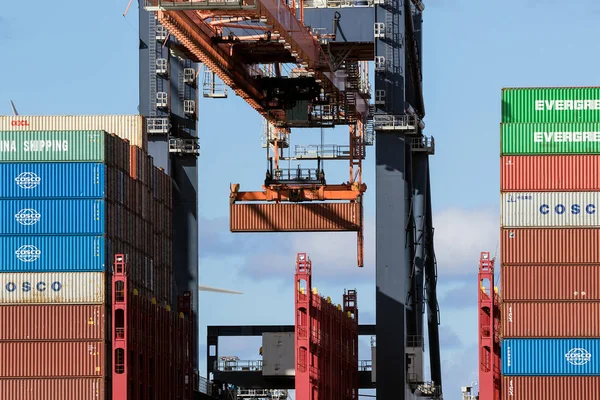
{"x": 489, "y": 331}
{"x": 151, "y": 346}
{"x": 326, "y": 341}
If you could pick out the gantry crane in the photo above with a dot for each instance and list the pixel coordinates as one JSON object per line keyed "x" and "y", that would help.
{"x": 248, "y": 44}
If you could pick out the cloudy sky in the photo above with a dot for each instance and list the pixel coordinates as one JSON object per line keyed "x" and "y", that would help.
{"x": 73, "y": 57}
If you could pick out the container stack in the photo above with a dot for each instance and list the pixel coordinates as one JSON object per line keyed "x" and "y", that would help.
{"x": 69, "y": 201}
{"x": 550, "y": 243}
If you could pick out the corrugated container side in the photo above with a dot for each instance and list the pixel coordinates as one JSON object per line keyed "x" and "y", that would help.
{"x": 130, "y": 127}
{"x": 550, "y": 209}
{"x": 550, "y": 283}
{"x": 55, "y": 146}
{"x": 549, "y": 357}
{"x": 43, "y": 217}
{"x": 551, "y": 320}
{"x": 52, "y": 253}
{"x": 557, "y": 104}
{"x": 52, "y": 322}
{"x": 537, "y": 139}
{"x": 549, "y": 246}
{"x": 549, "y": 173}
{"x": 52, "y": 180}
{"x": 52, "y": 359}
{"x": 550, "y": 388}
{"x": 52, "y": 288}
{"x": 54, "y": 388}
{"x": 282, "y": 217}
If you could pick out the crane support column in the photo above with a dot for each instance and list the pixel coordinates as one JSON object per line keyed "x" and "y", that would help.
{"x": 489, "y": 339}
{"x": 433, "y": 317}
{"x": 120, "y": 333}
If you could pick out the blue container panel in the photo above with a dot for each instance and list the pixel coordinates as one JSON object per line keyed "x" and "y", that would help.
{"x": 52, "y": 253}
{"x": 550, "y": 357}
{"x": 43, "y": 217}
{"x": 27, "y": 180}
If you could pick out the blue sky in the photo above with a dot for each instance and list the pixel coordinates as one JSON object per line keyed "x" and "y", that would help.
{"x": 73, "y": 57}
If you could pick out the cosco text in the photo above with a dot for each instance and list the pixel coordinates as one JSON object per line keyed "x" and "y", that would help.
{"x": 574, "y": 209}
{"x": 28, "y": 286}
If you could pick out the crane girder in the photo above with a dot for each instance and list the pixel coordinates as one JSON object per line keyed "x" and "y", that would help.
{"x": 188, "y": 22}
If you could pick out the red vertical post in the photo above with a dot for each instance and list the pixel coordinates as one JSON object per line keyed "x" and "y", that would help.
{"x": 489, "y": 337}
{"x": 305, "y": 386}
{"x": 351, "y": 311}
{"x": 120, "y": 334}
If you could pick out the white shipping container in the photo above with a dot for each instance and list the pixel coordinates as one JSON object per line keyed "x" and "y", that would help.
{"x": 130, "y": 127}
{"x": 550, "y": 209}
{"x": 51, "y": 288}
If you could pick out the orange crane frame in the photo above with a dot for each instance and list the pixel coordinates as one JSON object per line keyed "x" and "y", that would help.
{"x": 186, "y": 20}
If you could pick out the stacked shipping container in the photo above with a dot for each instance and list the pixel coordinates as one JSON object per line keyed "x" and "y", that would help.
{"x": 71, "y": 196}
{"x": 550, "y": 242}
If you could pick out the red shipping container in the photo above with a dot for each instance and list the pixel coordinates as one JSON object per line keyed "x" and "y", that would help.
{"x": 550, "y": 173}
{"x": 550, "y": 246}
{"x": 53, "y": 389}
{"x": 550, "y": 283}
{"x": 52, "y": 322}
{"x": 52, "y": 359}
{"x": 550, "y": 388}
{"x": 294, "y": 217}
{"x": 551, "y": 319}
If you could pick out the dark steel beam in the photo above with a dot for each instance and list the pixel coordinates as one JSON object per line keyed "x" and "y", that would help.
{"x": 433, "y": 312}
{"x": 258, "y": 330}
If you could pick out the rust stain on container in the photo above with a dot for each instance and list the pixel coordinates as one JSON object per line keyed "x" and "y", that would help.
{"x": 52, "y": 322}
{"x": 54, "y": 389}
{"x": 550, "y": 283}
{"x": 551, "y": 319}
{"x": 550, "y": 173}
{"x": 550, "y": 388}
{"x": 52, "y": 359}
{"x": 285, "y": 217}
{"x": 550, "y": 246}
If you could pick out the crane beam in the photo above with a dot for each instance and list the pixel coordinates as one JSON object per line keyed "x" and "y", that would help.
{"x": 189, "y": 23}
{"x": 197, "y": 41}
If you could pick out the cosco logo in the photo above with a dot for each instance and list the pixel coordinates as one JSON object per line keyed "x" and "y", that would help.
{"x": 28, "y": 216}
{"x": 27, "y": 180}
{"x": 573, "y": 209}
{"x": 39, "y": 286}
{"x": 578, "y": 356}
{"x": 28, "y": 253}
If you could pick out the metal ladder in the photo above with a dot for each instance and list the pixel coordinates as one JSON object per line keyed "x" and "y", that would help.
{"x": 352, "y": 86}
{"x": 152, "y": 61}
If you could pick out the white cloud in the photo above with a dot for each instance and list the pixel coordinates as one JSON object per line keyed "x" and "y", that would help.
{"x": 460, "y": 235}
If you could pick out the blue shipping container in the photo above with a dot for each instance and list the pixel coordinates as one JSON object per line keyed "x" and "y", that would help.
{"x": 54, "y": 180}
{"x": 550, "y": 357}
{"x": 43, "y": 217}
{"x": 52, "y": 253}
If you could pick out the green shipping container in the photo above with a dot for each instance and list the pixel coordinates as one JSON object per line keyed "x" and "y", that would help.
{"x": 578, "y": 138}
{"x": 51, "y": 146}
{"x": 551, "y": 104}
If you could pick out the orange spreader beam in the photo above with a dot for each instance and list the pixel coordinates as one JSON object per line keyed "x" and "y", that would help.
{"x": 348, "y": 192}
